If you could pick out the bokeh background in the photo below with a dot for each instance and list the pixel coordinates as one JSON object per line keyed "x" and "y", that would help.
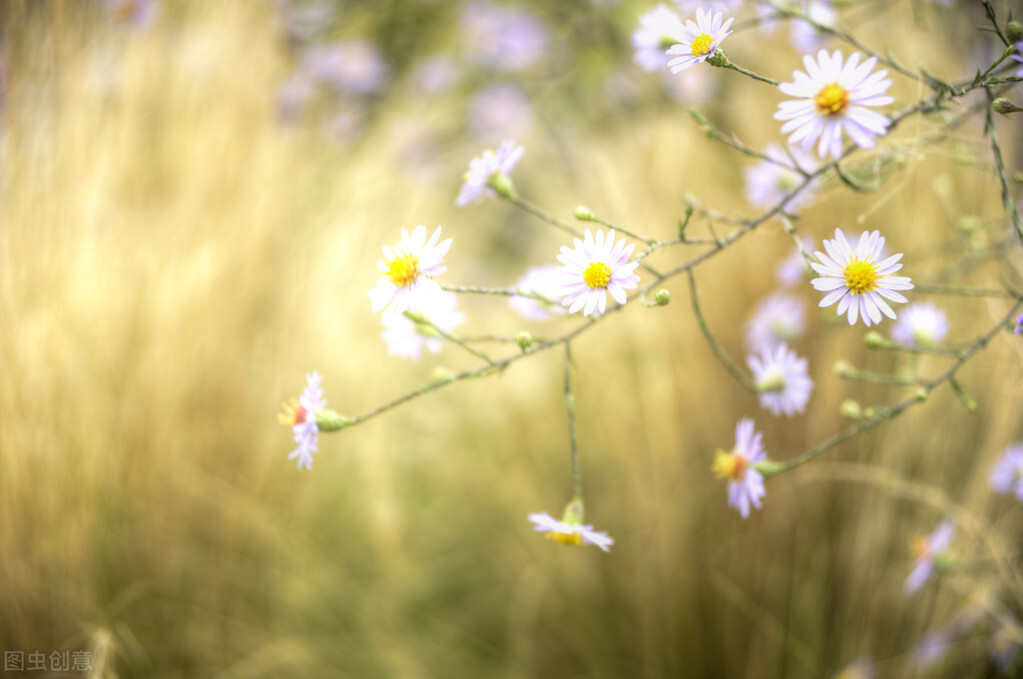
{"x": 191, "y": 218}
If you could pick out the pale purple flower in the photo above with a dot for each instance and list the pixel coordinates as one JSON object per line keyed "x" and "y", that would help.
{"x": 502, "y": 37}
{"x": 655, "y": 34}
{"x": 689, "y": 7}
{"x": 1005, "y": 642}
{"x": 745, "y": 483}
{"x": 483, "y": 168}
{"x": 408, "y": 271}
{"x": 778, "y": 319}
{"x": 595, "y": 267}
{"x": 931, "y": 648}
{"x": 921, "y": 324}
{"x": 570, "y": 534}
{"x": 133, "y": 13}
{"x": 793, "y": 270}
{"x": 500, "y": 111}
{"x": 436, "y": 75}
{"x": 698, "y": 41}
{"x": 781, "y": 379}
{"x": 1019, "y": 325}
{"x": 545, "y": 281}
{"x": 768, "y": 183}
{"x": 1007, "y": 474}
{"x": 406, "y": 337}
{"x": 805, "y": 37}
{"x": 831, "y": 98}
{"x": 354, "y": 67}
{"x": 929, "y": 551}
{"x": 855, "y": 278}
{"x": 1018, "y": 56}
{"x": 301, "y": 416}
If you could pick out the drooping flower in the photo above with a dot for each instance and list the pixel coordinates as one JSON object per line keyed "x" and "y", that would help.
{"x": 781, "y": 379}
{"x": 1007, "y": 474}
{"x": 922, "y": 324}
{"x": 745, "y": 484}
{"x": 407, "y": 336}
{"x": 698, "y": 41}
{"x": 656, "y": 33}
{"x": 596, "y": 266}
{"x": 484, "y": 168}
{"x": 855, "y": 278}
{"x": 568, "y": 533}
{"x": 544, "y": 281}
{"x": 408, "y": 270}
{"x": 831, "y": 98}
{"x": 301, "y": 417}
{"x": 931, "y": 552}
{"x": 779, "y": 319}
{"x": 767, "y": 183}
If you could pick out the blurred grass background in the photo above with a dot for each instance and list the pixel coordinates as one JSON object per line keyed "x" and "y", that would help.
{"x": 173, "y": 259}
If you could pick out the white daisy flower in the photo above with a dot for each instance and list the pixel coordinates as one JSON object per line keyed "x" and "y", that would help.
{"x": 745, "y": 484}
{"x": 831, "y": 98}
{"x": 768, "y": 183}
{"x": 300, "y": 415}
{"x": 543, "y": 280}
{"x": 409, "y": 269}
{"x": 781, "y": 379}
{"x": 596, "y": 266}
{"x": 483, "y": 168}
{"x": 922, "y": 324}
{"x": 570, "y": 534}
{"x": 405, "y": 337}
{"x": 656, "y": 33}
{"x": 779, "y": 319}
{"x": 855, "y": 278}
{"x": 698, "y": 41}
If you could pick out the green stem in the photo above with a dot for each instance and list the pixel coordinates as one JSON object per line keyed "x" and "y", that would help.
{"x": 715, "y": 347}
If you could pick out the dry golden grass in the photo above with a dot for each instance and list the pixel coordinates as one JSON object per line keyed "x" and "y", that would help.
{"x": 173, "y": 260}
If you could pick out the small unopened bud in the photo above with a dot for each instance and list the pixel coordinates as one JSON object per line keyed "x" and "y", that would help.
{"x": 851, "y": 408}
{"x": 331, "y": 420}
{"x": 920, "y": 395}
{"x": 843, "y": 368}
{"x": 968, "y": 223}
{"x": 441, "y": 375}
{"x": 524, "y": 340}
{"x": 1004, "y": 106}
{"x": 719, "y": 59}
{"x": 1013, "y": 31}
{"x": 942, "y": 186}
{"x": 662, "y": 297}
{"x": 870, "y": 413}
{"x": 574, "y": 512}
{"x": 502, "y": 185}
{"x": 874, "y": 340}
{"x": 584, "y": 214}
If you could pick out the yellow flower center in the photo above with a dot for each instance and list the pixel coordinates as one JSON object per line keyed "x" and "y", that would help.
{"x": 597, "y": 275}
{"x": 921, "y": 547}
{"x": 831, "y": 99}
{"x": 701, "y": 45}
{"x": 573, "y": 538}
{"x": 730, "y": 466}
{"x": 860, "y": 277}
{"x": 403, "y": 270}
{"x": 293, "y": 414}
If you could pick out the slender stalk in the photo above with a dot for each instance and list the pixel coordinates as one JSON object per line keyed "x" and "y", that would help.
{"x": 577, "y": 477}
{"x": 715, "y": 347}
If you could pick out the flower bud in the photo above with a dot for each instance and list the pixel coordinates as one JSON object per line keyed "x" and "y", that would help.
{"x": 874, "y": 340}
{"x": 843, "y": 368}
{"x": 502, "y": 185}
{"x": 524, "y": 340}
{"x": 1004, "y": 106}
{"x": 851, "y": 408}
{"x": 719, "y": 59}
{"x": 662, "y": 297}
{"x": 920, "y": 395}
{"x": 584, "y": 214}
{"x": 1013, "y": 31}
